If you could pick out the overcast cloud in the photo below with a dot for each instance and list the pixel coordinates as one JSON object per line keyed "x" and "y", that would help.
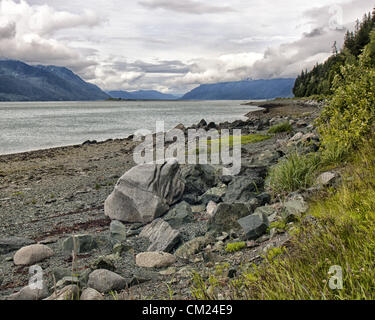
{"x": 175, "y": 45}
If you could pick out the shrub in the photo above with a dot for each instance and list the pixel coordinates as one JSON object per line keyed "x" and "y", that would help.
{"x": 281, "y": 127}
{"x": 294, "y": 173}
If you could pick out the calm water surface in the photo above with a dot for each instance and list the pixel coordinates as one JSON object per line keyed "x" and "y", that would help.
{"x": 26, "y": 126}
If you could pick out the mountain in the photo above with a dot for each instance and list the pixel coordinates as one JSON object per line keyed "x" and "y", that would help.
{"x": 141, "y": 95}
{"x": 22, "y": 82}
{"x": 243, "y": 90}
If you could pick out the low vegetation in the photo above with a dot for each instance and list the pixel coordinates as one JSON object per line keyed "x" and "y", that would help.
{"x": 281, "y": 127}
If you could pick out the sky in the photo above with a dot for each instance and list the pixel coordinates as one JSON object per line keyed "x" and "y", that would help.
{"x": 175, "y": 45}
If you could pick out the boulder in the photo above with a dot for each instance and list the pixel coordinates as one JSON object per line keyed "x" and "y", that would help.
{"x": 179, "y": 215}
{"x": 243, "y": 189}
{"x": 254, "y": 226}
{"x": 84, "y": 242}
{"x": 28, "y": 293}
{"x": 32, "y": 254}
{"x": 154, "y": 259}
{"x": 214, "y": 194}
{"x": 145, "y": 192}
{"x": 161, "y": 236}
{"x": 297, "y": 137}
{"x": 91, "y": 294}
{"x": 105, "y": 281}
{"x": 9, "y": 244}
{"x": 226, "y": 215}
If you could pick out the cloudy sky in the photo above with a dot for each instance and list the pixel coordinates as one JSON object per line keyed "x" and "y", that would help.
{"x": 175, "y": 45}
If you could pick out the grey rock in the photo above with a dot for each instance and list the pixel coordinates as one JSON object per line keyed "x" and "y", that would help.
{"x": 242, "y": 189}
{"x": 84, "y": 242}
{"x": 1, "y": 276}
{"x": 226, "y": 215}
{"x": 70, "y": 292}
{"x": 154, "y": 259}
{"x": 267, "y": 210}
{"x": 179, "y": 215}
{"x": 190, "y": 248}
{"x": 91, "y": 294}
{"x": 32, "y": 254}
{"x": 9, "y": 244}
{"x": 105, "y": 262}
{"x": 214, "y": 194}
{"x": 161, "y": 236}
{"x": 145, "y": 192}
{"x": 198, "y": 178}
{"x": 293, "y": 210}
{"x": 297, "y": 137}
{"x": 28, "y": 293}
{"x": 254, "y": 226}
{"x": 105, "y": 281}
{"x": 118, "y": 231}
{"x": 326, "y": 178}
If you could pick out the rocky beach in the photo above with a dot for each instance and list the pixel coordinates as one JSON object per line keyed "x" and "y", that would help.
{"x": 61, "y": 208}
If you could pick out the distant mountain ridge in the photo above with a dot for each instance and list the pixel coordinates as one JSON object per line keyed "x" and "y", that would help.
{"x": 243, "y": 90}
{"x": 141, "y": 95}
{"x": 22, "y": 82}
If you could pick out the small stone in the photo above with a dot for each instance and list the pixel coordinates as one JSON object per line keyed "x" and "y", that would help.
{"x": 298, "y": 136}
{"x": 179, "y": 215}
{"x": 254, "y": 226}
{"x": 211, "y": 207}
{"x": 188, "y": 249}
{"x": 161, "y": 236}
{"x": 154, "y": 259}
{"x": 70, "y": 292}
{"x": 84, "y": 242}
{"x": 168, "y": 272}
{"x": 91, "y": 294}
{"x": 293, "y": 210}
{"x": 32, "y": 254}
{"x": 326, "y": 178}
{"x": 105, "y": 281}
{"x": 106, "y": 262}
{"x": 118, "y": 231}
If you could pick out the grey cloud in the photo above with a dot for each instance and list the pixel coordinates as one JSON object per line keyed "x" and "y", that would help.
{"x": 185, "y": 6}
{"x": 8, "y": 31}
{"x": 171, "y": 67}
{"x": 314, "y": 33}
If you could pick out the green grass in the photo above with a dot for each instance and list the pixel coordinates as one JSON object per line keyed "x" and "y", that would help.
{"x": 343, "y": 235}
{"x": 281, "y": 127}
{"x": 294, "y": 173}
{"x": 235, "y": 246}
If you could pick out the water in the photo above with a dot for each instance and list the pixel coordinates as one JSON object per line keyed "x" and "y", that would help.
{"x": 26, "y": 126}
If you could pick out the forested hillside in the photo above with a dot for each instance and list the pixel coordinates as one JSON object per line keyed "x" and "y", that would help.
{"x": 319, "y": 81}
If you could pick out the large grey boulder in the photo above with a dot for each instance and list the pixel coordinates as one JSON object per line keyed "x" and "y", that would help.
{"x": 145, "y": 192}
{"x": 9, "y": 244}
{"x": 225, "y": 217}
{"x": 105, "y": 281}
{"x": 161, "y": 236}
{"x": 254, "y": 226}
{"x": 293, "y": 210}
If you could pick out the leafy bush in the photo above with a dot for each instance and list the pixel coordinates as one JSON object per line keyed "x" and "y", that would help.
{"x": 281, "y": 127}
{"x": 349, "y": 117}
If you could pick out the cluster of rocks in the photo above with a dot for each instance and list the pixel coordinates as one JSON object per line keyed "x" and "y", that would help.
{"x": 184, "y": 214}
